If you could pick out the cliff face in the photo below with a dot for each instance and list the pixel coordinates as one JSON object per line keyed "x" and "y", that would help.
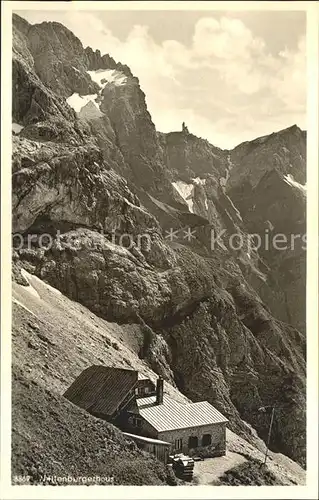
{"x": 267, "y": 184}
{"x": 89, "y": 169}
{"x": 256, "y": 189}
{"x": 188, "y": 156}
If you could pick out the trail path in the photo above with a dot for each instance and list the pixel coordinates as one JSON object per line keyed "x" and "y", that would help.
{"x": 211, "y": 469}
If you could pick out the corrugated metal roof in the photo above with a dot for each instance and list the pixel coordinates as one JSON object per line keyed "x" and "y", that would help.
{"x": 101, "y": 389}
{"x": 173, "y": 415}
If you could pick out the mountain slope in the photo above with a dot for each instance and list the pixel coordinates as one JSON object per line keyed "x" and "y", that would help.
{"x": 56, "y": 443}
{"x": 53, "y": 340}
{"x": 105, "y": 187}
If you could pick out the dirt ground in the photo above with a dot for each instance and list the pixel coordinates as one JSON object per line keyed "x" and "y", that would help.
{"x": 240, "y": 460}
{"x": 211, "y": 469}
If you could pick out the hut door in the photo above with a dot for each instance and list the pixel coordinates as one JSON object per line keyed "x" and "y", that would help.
{"x": 193, "y": 442}
{"x": 178, "y": 445}
{"x": 207, "y": 440}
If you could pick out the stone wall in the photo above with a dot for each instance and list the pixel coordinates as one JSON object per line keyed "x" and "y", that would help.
{"x": 217, "y": 432}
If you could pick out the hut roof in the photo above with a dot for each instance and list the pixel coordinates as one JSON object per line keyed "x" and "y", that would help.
{"x": 101, "y": 389}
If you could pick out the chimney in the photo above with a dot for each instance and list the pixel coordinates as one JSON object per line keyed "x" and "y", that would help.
{"x": 159, "y": 391}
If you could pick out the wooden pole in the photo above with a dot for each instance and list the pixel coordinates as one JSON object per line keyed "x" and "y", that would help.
{"x": 269, "y": 433}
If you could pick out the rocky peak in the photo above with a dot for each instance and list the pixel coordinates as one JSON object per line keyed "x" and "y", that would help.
{"x": 60, "y": 60}
{"x": 97, "y": 61}
{"x": 188, "y": 156}
{"x": 21, "y": 24}
{"x": 284, "y": 151}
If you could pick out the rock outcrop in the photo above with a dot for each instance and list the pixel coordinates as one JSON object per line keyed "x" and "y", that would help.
{"x": 90, "y": 171}
{"x": 267, "y": 184}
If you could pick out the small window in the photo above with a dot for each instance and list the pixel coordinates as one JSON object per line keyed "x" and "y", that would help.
{"x": 178, "y": 444}
{"x": 207, "y": 440}
{"x": 147, "y": 389}
{"x": 192, "y": 442}
{"x": 137, "y": 422}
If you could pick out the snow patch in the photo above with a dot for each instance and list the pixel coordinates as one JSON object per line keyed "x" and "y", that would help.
{"x": 199, "y": 180}
{"x": 235, "y": 209}
{"x": 16, "y": 128}
{"x": 186, "y": 191}
{"x": 46, "y": 285}
{"x": 29, "y": 288}
{"x": 16, "y": 301}
{"x": 104, "y": 76}
{"x": 77, "y": 102}
{"x": 34, "y": 280}
{"x": 223, "y": 180}
{"x": 290, "y": 180}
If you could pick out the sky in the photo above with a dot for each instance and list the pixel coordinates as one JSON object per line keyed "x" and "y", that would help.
{"x": 230, "y": 76}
